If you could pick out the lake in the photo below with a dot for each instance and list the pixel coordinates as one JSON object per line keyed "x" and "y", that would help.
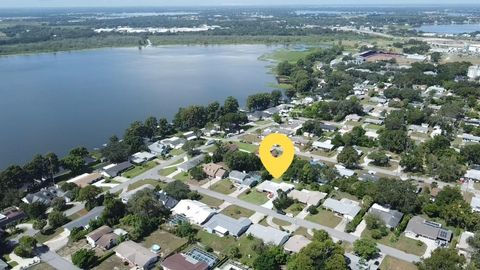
{"x": 54, "y": 102}
{"x": 449, "y": 28}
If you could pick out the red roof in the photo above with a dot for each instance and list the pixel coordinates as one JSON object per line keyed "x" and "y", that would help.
{"x": 180, "y": 262}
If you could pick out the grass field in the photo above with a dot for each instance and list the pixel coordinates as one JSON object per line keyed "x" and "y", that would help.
{"x": 236, "y": 212}
{"x": 224, "y": 186}
{"x": 254, "y": 197}
{"x": 286, "y": 55}
{"x": 113, "y": 262}
{"x": 167, "y": 241}
{"x": 325, "y": 218}
{"x": 176, "y": 152}
{"x": 247, "y": 147}
{"x": 183, "y": 176}
{"x": 404, "y": 243}
{"x": 210, "y": 201}
{"x": 303, "y": 231}
{"x": 145, "y": 182}
{"x": 280, "y": 222}
{"x": 295, "y": 208}
{"x": 137, "y": 170}
{"x": 391, "y": 263}
{"x": 224, "y": 244}
{"x": 167, "y": 171}
{"x": 42, "y": 238}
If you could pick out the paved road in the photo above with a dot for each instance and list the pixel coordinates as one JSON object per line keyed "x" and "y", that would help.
{"x": 54, "y": 260}
{"x": 305, "y": 223}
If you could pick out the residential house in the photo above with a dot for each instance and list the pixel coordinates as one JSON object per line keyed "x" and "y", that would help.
{"x": 11, "y": 216}
{"x": 475, "y": 204}
{"x": 353, "y": 117}
{"x": 307, "y": 197}
{"x": 117, "y": 169}
{"x": 174, "y": 142}
{"x": 328, "y": 128}
{"x": 223, "y": 225}
{"x": 192, "y": 163}
{"x": 373, "y": 121}
{"x": 257, "y": 116}
{"x": 389, "y": 216}
{"x": 126, "y": 196}
{"x": 158, "y": 148}
{"x": 243, "y": 179}
{"x": 84, "y": 221}
{"x": 196, "y": 212}
{"x": 268, "y": 234}
{"x": 168, "y": 201}
{"x": 419, "y": 129}
{"x": 214, "y": 171}
{"x": 345, "y": 207}
{"x": 141, "y": 157}
{"x": 273, "y": 187}
{"x": 470, "y": 138}
{"x": 103, "y": 237}
{"x": 201, "y": 255}
{"x": 231, "y": 265}
{"x": 368, "y": 177}
{"x": 4, "y": 265}
{"x": 136, "y": 255}
{"x": 190, "y": 135}
{"x": 180, "y": 261}
{"x": 46, "y": 196}
{"x": 472, "y": 174}
{"x": 296, "y": 243}
{"x": 378, "y": 100}
{"x": 86, "y": 179}
{"x": 344, "y": 172}
{"x": 418, "y": 226}
{"x": 326, "y": 145}
{"x": 354, "y": 262}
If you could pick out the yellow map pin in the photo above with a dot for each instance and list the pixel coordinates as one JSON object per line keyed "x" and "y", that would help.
{"x": 276, "y": 166}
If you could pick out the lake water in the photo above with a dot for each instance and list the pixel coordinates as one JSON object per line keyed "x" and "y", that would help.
{"x": 449, "y": 28}
{"x": 54, "y": 102}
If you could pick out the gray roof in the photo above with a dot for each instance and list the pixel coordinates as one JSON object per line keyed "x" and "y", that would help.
{"x": 168, "y": 201}
{"x": 45, "y": 196}
{"x": 296, "y": 243}
{"x": 237, "y": 176}
{"x": 3, "y": 265}
{"x": 428, "y": 229}
{"x": 341, "y": 207}
{"x": 389, "y": 216}
{"x": 268, "y": 234}
{"x": 136, "y": 254}
{"x": 119, "y": 168}
{"x": 83, "y": 222}
{"x": 235, "y": 227}
{"x": 191, "y": 163}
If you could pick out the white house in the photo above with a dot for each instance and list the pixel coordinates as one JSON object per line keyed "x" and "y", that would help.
{"x": 196, "y": 212}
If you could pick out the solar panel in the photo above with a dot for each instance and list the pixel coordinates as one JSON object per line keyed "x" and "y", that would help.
{"x": 203, "y": 256}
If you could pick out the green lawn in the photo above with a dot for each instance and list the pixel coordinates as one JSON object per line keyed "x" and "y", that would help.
{"x": 295, "y": 208}
{"x": 280, "y": 222}
{"x": 236, "y": 212}
{"x": 247, "y": 147}
{"x": 176, "y": 152}
{"x": 373, "y": 127}
{"x": 167, "y": 171}
{"x": 224, "y": 186}
{"x": 286, "y": 55}
{"x": 391, "y": 263}
{"x": 137, "y": 170}
{"x": 404, "y": 243}
{"x": 167, "y": 241}
{"x": 211, "y": 201}
{"x": 42, "y": 238}
{"x": 112, "y": 262}
{"x": 325, "y": 218}
{"x": 224, "y": 244}
{"x": 303, "y": 231}
{"x": 182, "y": 176}
{"x": 145, "y": 182}
{"x": 254, "y": 196}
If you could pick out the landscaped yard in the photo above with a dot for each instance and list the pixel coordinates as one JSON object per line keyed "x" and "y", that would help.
{"x": 182, "y": 176}
{"x": 167, "y": 171}
{"x": 224, "y": 186}
{"x": 254, "y": 196}
{"x": 391, "y": 263}
{"x": 236, "y": 212}
{"x": 247, "y": 147}
{"x": 113, "y": 262}
{"x": 404, "y": 243}
{"x": 176, "y": 152}
{"x": 251, "y": 138}
{"x": 210, "y": 201}
{"x": 42, "y": 238}
{"x": 295, "y": 208}
{"x": 145, "y": 182}
{"x": 224, "y": 244}
{"x": 73, "y": 247}
{"x": 325, "y": 218}
{"x": 167, "y": 241}
{"x": 280, "y": 222}
{"x": 303, "y": 231}
{"x": 137, "y": 170}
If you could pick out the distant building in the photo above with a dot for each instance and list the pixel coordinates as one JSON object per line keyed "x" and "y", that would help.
{"x": 11, "y": 216}
{"x": 389, "y": 216}
{"x": 307, "y": 197}
{"x": 268, "y": 235}
{"x": 273, "y": 187}
{"x": 473, "y": 72}
{"x": 103, "y": 237}
{"x": 326, "y": 145}
{"x": 136, "y": 255}
{"x": 470, "y": 138}
{"x": 158, "y": 148}
{"x": 346, "y": 208}
{"x": 168, "y": 201}
{"x": 192, "y": 163}
{"x": 243, "y": 179}
{"x": 174, "y": 142}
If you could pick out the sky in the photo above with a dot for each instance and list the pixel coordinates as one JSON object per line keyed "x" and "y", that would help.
{"x": 122, "y": 3}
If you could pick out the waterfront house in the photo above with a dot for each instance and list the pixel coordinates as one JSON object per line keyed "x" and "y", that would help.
{"x": 117, "y": 169}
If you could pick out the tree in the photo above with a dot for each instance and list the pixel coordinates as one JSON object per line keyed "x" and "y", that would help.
{"x": 114, "y": 210}
{"x": 284, "y": 68}
{"x": 52, "y": 164}
{"x": 35, "y": 210}
{"x": 379, "y": 158}
{"x": 177, "y": 189}
{"x": 36, "y": 168}
{"x": 116, "y": 151}
{"x": 436, "y": 57}
{"x": 349, "y": 157}
{"x": 39, "y": 224}
{"x": 230, "y": 105}
{"x": 186, "y": 230}
{"x": 26, "y": 246}
{"x": 270, "y": 259}
{"x": 145, "y": 203}
{"x": 394, "y": 140}
{"x": 74, "y": 163}
{"x": 471, "y": 153}
{"x": 89, "y": 195}
{"x": 443, "y": 258}
{"x": 282, "y": 201}
{"x": 57, "y": 219}
{"x": 59, "y": 204}
{"x": 84, "y": 258}
{"x": 376, "y": 226}
{"x": 242, "y": 161}
{"x": 275, "y": 97}
{"x": 197, "y": 173}
{"x": 164, "y": 128}
{"x": 232, "y": 121}
{"x": 400, "y": 195}
{"x": 150, "y": 125}
{"x": 190, "y": 117}
{"x": 412, "y": 161}
{"x": 365, "y": 248}
{"x": 277, "y": 118}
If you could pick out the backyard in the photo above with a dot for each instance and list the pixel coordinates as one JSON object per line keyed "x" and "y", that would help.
{"x": 236, "y": 212}
{"x": 224, "y": 186}
{"x": 325, "y": 218}
{"x": 254, "y": 196}
{"x": 391, "y": 263}
{"x": 168, "y": 242}
{"x": 247, "y": 147}
{"x": 404, "y": 243}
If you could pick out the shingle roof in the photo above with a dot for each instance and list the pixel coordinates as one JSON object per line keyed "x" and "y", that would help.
{"x": 389, "y": 216}
{"x": 135, "y": 253}
{"x": 191, "y": 163}
{"x": 117, "y": 169}
{"x": 420, "y": 226}
{"x": 268, "y": 234}
{"x": 82, "y": 222}
{"x": 308, "y": 197}
{"x": 296, "y": 243}
{"x": 342, "y": 207}
{"x": 181, "y": 262}
{"x": 234, "y": 227}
